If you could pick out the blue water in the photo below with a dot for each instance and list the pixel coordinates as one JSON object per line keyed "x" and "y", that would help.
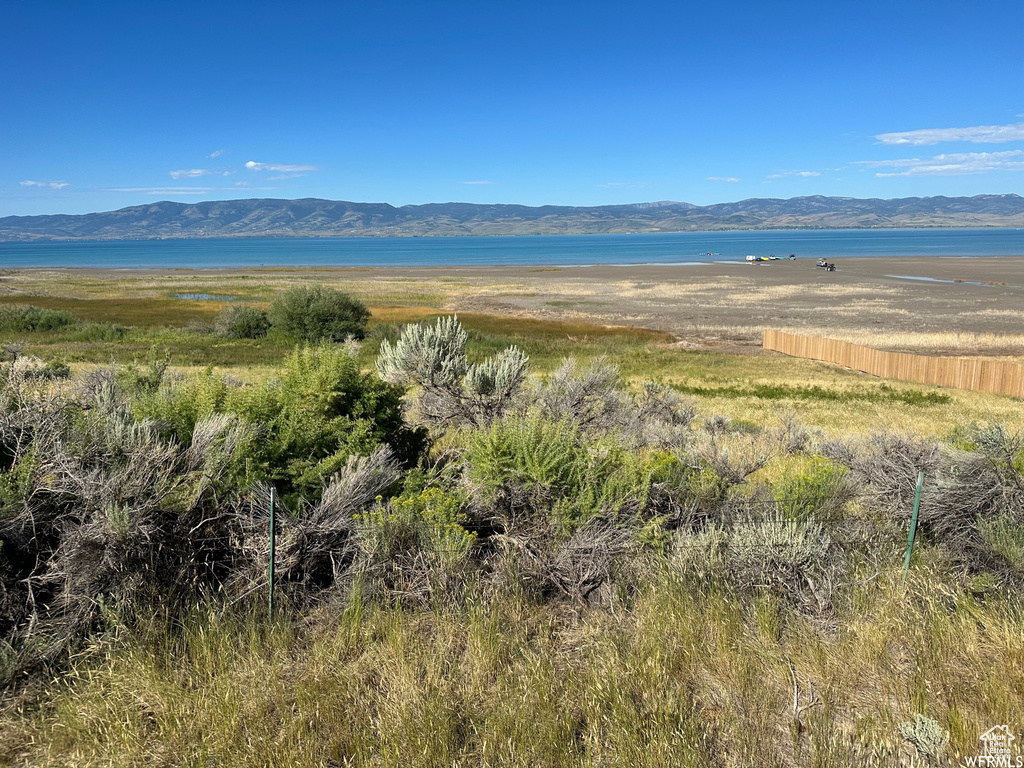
{"x": 565, "y": 250}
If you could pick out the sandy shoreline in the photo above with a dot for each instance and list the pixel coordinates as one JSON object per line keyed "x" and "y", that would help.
{"x": 965, "y": 306}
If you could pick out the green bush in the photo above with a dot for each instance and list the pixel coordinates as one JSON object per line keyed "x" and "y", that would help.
{"x": 25, "y": 317}
{"x": 242, "y": 321}
{"x": 428, "y": 523}
{"x": 97, "y": 332}
{"x": 321, "y": 410}
{"x": 556, "y": 470}
{"x": 177, "y": 408}
{"x": 817, "y": 490}
{"x": 319, "y": 314}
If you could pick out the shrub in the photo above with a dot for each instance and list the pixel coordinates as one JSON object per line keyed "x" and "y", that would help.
{"x": 318, "y": 313}
{"x": 322, "y": 410}
{"x": 818, "y": 490}
{"x": 929, "y": 738}
{"x": 26, "y": 317}
{"x": 316, "y": 543}
{"x": 242, "y": 321}
{"x": 886, "y": 465}
{"x": 415, "y": 545}
{"x": 795, "y": 560}
{"x": 29, "y": 367}
{"x": 453, "y": 391}
{"x": 101, "y": 514}
{"x": 548, "y": 470}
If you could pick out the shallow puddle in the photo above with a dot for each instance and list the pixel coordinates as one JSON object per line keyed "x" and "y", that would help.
{"x": 203, "y": 297}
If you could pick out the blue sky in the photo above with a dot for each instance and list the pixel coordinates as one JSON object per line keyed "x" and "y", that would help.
{"x": 110, "y": 104}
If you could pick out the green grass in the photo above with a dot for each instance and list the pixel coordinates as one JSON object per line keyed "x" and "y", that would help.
{"x": 682, "y": 673}
{"x": 750, "y": 387}
{"x": 755, "y": 388}
{"x": 145, "y": 313}
{"x": 883, "y": 393}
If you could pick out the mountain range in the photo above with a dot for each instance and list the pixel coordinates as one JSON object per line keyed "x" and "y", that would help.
{"x": 313, "y": 217}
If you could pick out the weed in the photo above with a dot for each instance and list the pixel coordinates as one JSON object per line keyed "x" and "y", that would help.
{"x": 882, "y": 394}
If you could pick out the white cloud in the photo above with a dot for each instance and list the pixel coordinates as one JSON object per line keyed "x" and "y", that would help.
{"x": 979, "y": 134}
{"x": 178, "y": 190}
{"x": 476, "y": 182}
{"x": 217, "y": 153}
{"x": 954, "y": 164}
{"x": 192, "y": 173}
{"x": 47, "y": 184}
{"x": 254, "y": 166}
{"x": 801, "y": 174}
{"x": 723, "y": 178}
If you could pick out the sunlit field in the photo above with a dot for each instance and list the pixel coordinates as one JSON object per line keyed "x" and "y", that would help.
{"x": 659, "y": 555}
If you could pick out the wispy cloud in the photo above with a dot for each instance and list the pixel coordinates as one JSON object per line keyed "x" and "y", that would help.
{"x": 979, "y": 134}
{"x": 476, "y": 182}
{"x": 285, "y": 176}
{"x": 191, "y": 173}
{"x": 254, "y": 166}
{"x": 216, "y": 153}
{"x": 955, "y": 164}
{"x": 179, "y": 190}
{"x": 722, "y": 178}
{"x": 801, "y": 174}
{"x": 45, "y": 184}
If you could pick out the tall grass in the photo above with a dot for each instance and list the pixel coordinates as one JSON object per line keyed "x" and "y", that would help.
{"x": 739, "y": 623}
{"x": 689, "y": 675}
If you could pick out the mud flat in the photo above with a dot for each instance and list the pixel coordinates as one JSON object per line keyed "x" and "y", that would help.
{"x": 939, "y": 305}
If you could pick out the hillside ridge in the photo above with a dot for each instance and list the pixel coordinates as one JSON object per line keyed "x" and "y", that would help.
{"x": 314, "y": 217}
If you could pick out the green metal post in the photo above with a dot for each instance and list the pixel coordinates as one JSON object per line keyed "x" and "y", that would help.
{"x": 913, "y": 523}
{"x": 270, "y": 567}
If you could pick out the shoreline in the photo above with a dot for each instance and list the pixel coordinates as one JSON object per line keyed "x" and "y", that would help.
{"x": 963, "y": 305}
{"x": 860, "y": 261}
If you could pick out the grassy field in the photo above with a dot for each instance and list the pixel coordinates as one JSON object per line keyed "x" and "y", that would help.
{"x": 683, "y": 671}
{"x": 753, "y": 387}
{"x": 686, "y": 677}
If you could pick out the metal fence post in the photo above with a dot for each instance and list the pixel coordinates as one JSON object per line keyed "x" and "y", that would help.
{"x": 270, "y": 565}
{"x": 913, "y": 523}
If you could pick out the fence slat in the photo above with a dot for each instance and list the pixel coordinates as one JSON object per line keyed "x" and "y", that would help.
{"x": 955, "y": 372}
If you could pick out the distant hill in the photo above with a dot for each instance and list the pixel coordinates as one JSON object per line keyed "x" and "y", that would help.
{"x": 332, "y": 218}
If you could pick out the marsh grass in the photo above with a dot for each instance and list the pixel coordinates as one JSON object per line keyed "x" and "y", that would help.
{"x": 126, "y": 318}
{"x": 754, "y": 388}
{"x": 141, "y": 312}
{"x": 881, "y": 394}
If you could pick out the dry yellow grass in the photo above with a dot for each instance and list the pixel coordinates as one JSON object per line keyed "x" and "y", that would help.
{"x": 688, "y": 676}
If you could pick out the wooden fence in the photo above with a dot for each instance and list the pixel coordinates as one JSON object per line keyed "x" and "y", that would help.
{"x": 959, "y": 372}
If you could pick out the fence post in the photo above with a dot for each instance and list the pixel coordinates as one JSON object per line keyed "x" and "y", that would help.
{"x": 270, "y": 564}
{"x": 913, "y": 523}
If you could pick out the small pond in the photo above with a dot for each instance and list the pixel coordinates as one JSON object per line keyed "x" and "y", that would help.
{"x": 204, "y": 297}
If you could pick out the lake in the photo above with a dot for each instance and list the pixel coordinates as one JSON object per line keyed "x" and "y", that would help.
{"x": 564, "y": 250}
